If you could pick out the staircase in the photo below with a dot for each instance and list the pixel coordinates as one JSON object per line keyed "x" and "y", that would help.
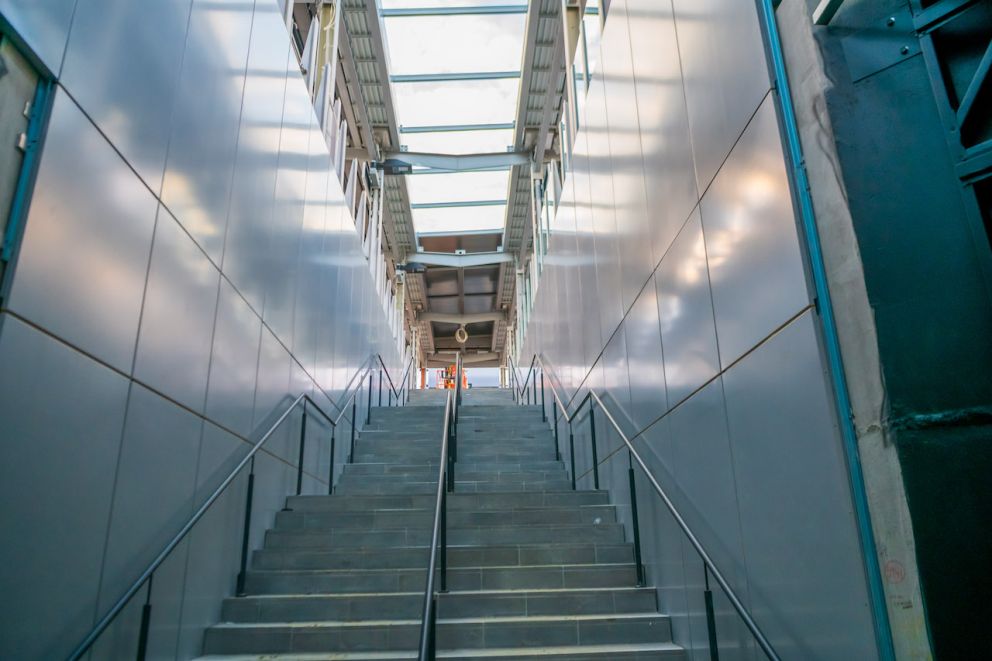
{"x": 536, "y": 570}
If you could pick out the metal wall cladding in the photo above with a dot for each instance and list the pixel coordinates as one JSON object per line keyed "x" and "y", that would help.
{"x": 714, "y": 368}
{"x": 43, "y": 24}
{"x": 137, "y": 365}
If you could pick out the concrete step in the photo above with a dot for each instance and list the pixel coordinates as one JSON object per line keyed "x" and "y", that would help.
{"x": 430, "y": 468}
{"x": 471, "y": 633}
{"x": 349, "y": 488}
{"x": 409, "y": 605}
{"x": 530, "y": 577}
{"x": 348, "y": 480}
{"x": 620, "y": 652}
{"x": 415, "y": 557}
{"x": 522, "y": 534}
{"x": 456, "y": 501}
{"x": 418, "y": 518}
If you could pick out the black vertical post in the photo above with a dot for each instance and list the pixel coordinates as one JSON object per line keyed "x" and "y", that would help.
{"x": 444, "y": 541}
{"x": 380, "y": 388}
{"x": 533, "y": 380}
{"x": 432, "y": 648}
{"x": 303, "y": 438}
{"x": 246, "y": 532}
{"x": 595, "y": 456}
{"x": 557, "y": 449}
{"x": 637, "y": 527}
{"x": 146, "y": 618}
{"x": 368, "y": 411}
{"x": 389, "y": 397}
{"x": 544, "y": 416}
{"x": 571, "y": 451}
{"x": 351, "y": 450}
{"x": 330, "y": 471}
{"x": 710, "y": 617}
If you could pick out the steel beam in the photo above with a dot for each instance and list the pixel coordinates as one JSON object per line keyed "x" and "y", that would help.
{"x": 408, "y": 12}
{"x": 476, "y": 318}
{"x": 455, "y": 205}
{"x": 460, "y": 162}
{"x": 468, "y": 260}
{"x": 452, "y": 128}
{"x": 453, "y": 77}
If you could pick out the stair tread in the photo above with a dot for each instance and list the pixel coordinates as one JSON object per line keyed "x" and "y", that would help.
{"x": 496, "y": 619}
{"x": 550, "y": 652}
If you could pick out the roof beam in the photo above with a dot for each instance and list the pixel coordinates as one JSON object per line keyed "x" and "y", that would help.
{"x": 468, "y": 260}
{"x": 408, "y": 12}
{"x": 449, "y": 77}
{"x": 461, "y": 319}
{"x": 451, "y": 128}
{"x": 456, "y": 205}
{"x": 459, "y": 162}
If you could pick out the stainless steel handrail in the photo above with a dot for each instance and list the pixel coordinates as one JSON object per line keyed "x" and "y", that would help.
{"x": 428, "y": 620}
{"x": 406, "y": 372}
{"x": 146, "y": 576}
{"x": 711, "y": 567}
{"x": 520, "y": 390}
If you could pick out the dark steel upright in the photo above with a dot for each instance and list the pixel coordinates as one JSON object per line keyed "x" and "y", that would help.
{"x": 710, "y": 617}
{"x": 557, "y": 450}
{"x": 146, "y": 618}
{"x": 544, "y": 416}
{"x": 303, "y": 439}
{"x": 637, "y": 527}
{"x": 595, "y": 456}
{"x": 368, "y": 411}
{"x": 380, "y": 388}
{"x": 246, "y": 531}
{"x": 330, "y": 471}
{"x": 354, "y": 411}
{"x": 571, "y": 451}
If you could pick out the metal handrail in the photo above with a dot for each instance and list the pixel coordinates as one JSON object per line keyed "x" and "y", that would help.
{"x": 403, "y": 381}
{"x": 519, "y": 391}
{"x": 428, "y": 622}
{"x": 709, "y": 566}
{"x": 147, "y": 575}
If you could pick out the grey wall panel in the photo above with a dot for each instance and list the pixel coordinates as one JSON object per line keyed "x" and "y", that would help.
{"x": 257, "y": 161}
{"x": 89, "y": 231}
{"x": 215, "y": 544}
{"x": 755, "y": 267}
{"x": 601, "y": 208}
{"x": 49, "y": 456}
{"x": 800, "y": 538}
{"x": 233, "y": 362}
{"x": 723, "y": 61}
{"x": 664, "y": 123}
{"x": 120, "y": 640}
{"x": 153, "y": 490}
{"x": 122, "y": 66}
{"x": 685, "y": 310}
{"x": 272, "y": 394}
{"x": 177, "y": 319}
{"x": 706, "y": 483}
{"x": 42, "y": 24}
{"x": 648, "y": 396}
{"x": 630, "y": 198}
{"x": 203, "y": 141}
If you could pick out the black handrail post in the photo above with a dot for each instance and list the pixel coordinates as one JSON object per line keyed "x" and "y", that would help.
{"x": 571, "y": 451}
{"x": 444, "y": 542}
{"x": 432, "y": 650}
{"x": 368, "y": 411}
{"x": 389, "y": 398}
{"x": 557, "y": 447}
{"x": 330, "y": 471}
{"x": 534, "y": 381}
{"x": 544, "y": 416}
{"x": 380, "y": 388}
{"x": 146, "y": 618}
{"x": 351, "y": 451}
{"x": 246, "y": 531}
{"x": 710, "y": 617}
{"x": 633, "y": 516}
{"x": 303, "y": 438}
{"x": 595, "y": 457}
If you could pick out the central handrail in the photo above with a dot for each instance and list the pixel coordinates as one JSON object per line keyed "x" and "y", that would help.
{"x": 709, "y": 565}
{"x": 146, "y": 576}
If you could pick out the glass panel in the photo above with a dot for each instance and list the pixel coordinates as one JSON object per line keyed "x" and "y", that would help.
{"x": 457, "y": 187}
{"x": 461, "y": 219}
{"x": 458, "y": 142}
{"x": 454, "y": 44}
{"x": 461, "y": 102}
